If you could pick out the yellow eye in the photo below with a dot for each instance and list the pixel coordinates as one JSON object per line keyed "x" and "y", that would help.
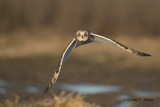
{"x": 79, "y": 34}
{"x": 85, "y": 34}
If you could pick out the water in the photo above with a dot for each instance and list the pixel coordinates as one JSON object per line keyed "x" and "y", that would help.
{"x": 145, "y": 93}
{"x": 121, "y": 97}
{"x": 83, "y": 88}
{"x": 33, "y": 90}
{"x": 3, "y": 83}
{"x": 90, "y": 88}
{"x": 123, "y": 103}
{"x": 29, "y": 89}
{"x": 3, "y": 91}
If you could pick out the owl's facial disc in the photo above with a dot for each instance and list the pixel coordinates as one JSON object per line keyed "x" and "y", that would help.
{"x": 82, "y": 36}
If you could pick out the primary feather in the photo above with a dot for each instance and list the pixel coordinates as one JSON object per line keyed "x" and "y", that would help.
{"x": 115, "y": 43}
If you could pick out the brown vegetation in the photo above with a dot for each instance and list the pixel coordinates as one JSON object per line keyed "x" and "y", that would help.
{"x": 62, "y": 100}
{"x": 104, "y": 16}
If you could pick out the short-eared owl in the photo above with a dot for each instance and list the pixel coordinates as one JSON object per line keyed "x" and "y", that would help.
{"x": 83, "y": 37}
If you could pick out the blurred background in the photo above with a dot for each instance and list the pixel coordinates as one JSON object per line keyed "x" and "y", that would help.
{"x": 103, "y": 16}
{"x": 33, "y": 35}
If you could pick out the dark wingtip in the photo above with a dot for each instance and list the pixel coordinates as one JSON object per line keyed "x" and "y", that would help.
{"x": 46, "y": 90}
{"x": 148, "y": 55}
{"x": 145, "y": 54}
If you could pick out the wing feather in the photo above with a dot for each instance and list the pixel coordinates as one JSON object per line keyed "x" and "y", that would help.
{"x": 115, "y": 43}
{"x": 63, "y": 58}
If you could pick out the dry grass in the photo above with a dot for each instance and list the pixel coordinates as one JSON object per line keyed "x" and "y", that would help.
{"x": 62, "y": 100}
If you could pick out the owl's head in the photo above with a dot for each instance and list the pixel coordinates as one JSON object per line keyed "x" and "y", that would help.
{"x": 82, "y": 35}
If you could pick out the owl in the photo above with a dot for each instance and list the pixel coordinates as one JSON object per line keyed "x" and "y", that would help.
{"x": 83, "y": 37}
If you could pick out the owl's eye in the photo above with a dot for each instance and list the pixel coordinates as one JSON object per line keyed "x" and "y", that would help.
{"x": 85, "y": 34}
{"x": 79, "y": 34}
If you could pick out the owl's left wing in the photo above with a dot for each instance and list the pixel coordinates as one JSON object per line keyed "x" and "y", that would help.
{"x": 115, "y": 43}
{"x": 63, "y": 58}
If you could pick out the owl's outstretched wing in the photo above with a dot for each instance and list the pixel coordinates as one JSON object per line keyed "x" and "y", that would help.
{"x": 115, "y": 43}
{"x": 63, "y": 58}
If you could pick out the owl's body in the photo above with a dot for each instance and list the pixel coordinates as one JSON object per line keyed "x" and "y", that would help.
{"x": 83, "y": 37}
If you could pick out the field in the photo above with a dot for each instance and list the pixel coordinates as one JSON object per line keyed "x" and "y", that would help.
{"x": 34, "y": 34}
{"x": 31, "y": 61}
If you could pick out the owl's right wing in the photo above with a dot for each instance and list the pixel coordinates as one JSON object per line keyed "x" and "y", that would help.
{"x": 115, "y": 43}
{"x": 63, "y": 58}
